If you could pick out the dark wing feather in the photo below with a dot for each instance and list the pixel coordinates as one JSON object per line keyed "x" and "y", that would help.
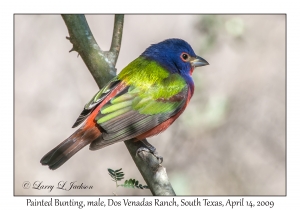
{"x": 89, "y": 107}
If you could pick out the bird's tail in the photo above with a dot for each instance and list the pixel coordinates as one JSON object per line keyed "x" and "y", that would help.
{"x": 65, "y": 150}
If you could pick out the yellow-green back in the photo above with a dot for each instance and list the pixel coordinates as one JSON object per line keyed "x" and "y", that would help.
{"x": 151, "y": 79}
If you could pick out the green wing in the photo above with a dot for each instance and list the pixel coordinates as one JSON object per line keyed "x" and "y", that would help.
{"x": 135, "y": 111}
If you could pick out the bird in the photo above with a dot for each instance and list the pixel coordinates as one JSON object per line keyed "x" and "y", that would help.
{"x": 143, "y": 100}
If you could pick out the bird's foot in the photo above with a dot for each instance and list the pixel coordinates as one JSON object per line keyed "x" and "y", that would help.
{"x": 149, "y": 148}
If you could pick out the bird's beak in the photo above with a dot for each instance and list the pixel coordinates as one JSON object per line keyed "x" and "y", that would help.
{"x": 198, "y": 61}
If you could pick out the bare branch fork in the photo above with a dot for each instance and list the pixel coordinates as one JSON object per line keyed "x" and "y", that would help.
{"x": 101, "y": 64}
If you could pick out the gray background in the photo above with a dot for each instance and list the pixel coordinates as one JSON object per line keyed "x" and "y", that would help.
{"x": 229, "y": 141}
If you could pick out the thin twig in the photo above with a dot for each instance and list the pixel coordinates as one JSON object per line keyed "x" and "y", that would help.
{"x": 117, "y": 38}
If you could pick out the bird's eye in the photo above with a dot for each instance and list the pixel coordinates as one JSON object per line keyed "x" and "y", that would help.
{"x": 184, "y": 56}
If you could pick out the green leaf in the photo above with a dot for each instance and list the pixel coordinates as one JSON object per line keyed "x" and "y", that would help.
{"x": 118, "y": 170}
{"x": 110, "y": 170}
{"x": 118, "y": 175}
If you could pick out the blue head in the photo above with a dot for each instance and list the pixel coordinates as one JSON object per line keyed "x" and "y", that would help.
{"x": 176, "y": 55}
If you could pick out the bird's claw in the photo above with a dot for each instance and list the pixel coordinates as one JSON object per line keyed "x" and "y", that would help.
{"x": 152, "y": 151}
{"x": 160, "y": 158}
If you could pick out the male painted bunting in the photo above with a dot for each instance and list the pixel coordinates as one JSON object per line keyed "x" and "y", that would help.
{"x": 143, "y": 100}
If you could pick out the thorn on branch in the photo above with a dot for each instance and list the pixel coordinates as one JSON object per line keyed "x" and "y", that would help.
{"x": 73, "y": 48}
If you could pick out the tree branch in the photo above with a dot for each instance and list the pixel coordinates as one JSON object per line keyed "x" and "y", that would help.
{"x": 102, "y": 66}
{"x": 117, "y": 38}
{"x": 153, "y": 172}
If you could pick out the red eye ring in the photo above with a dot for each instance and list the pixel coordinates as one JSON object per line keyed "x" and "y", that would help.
{"x": 184, "y": 56}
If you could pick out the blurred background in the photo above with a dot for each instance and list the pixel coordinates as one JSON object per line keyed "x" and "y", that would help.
{"x": 229, "y": 141}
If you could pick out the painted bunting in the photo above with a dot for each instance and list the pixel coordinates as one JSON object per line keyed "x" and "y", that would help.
{"x": 146, "y": 97}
